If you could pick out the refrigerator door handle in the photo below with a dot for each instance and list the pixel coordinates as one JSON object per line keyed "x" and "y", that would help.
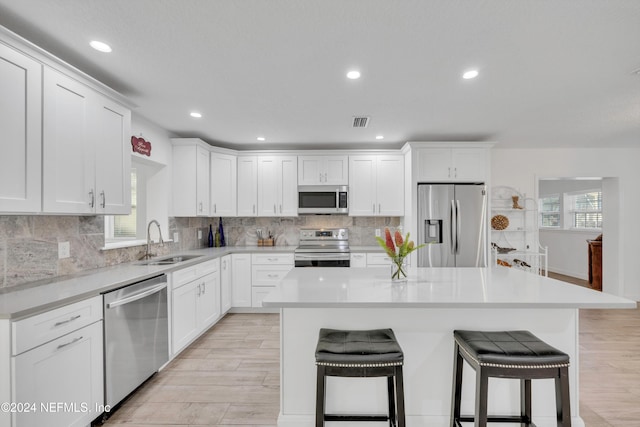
{"x": 458, "y": 226}
{"x": 452, "y": 228}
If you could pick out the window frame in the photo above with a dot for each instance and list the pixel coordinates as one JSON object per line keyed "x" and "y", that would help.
{"x": 542, "y": 213}
{"x": 110, "y": 241}
{"x": 567, "y": 212}
{"x": 572, "y": 211}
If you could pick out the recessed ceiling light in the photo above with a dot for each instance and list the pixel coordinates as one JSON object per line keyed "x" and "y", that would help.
{"x": 379, "y": 136}
{"x": 195, "y": 114}
{"x": 261, "y": 138}
{"x": 471, "y": 74}
{"x": 353, "y": 74}
{"x": 100, "y": 46}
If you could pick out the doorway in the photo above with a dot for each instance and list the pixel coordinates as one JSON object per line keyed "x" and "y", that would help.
{"x": 573, "y": 210}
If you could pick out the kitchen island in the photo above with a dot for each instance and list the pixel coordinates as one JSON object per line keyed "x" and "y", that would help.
{"x": 423, "y": 312}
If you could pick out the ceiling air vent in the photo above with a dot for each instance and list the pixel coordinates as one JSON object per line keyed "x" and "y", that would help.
{"x": 361, "y": 121}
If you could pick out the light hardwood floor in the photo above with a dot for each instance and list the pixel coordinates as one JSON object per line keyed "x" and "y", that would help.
{"x": 229, "y": 377}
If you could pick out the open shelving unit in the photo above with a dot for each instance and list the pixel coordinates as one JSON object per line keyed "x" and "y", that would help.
{"x": 514, "y": 232}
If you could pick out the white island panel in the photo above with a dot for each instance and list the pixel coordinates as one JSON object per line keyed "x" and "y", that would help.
{"x": 423, "y": 314}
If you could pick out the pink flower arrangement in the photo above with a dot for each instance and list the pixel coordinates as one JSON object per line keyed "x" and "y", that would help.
{"x": 398, "y": 251}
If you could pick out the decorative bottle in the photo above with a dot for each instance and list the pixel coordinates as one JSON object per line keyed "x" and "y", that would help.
{"x": 221, "y": 231}
{"x": 210, "y": 236}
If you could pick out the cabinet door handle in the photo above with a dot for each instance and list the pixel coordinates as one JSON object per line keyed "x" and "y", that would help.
{"x": 374, "y": 208}
{"x": 254, "y": 208}
{"x": 379, "y": 207}
{"x": 200, "y": 207}
{"x": 73, "y": 341}
{"x": 274, "y": 208}
{"x": 320, "y": 176}
{"x": 215, "y": 208}
{"x": 93, "y": 198}
{"x": 71, "y": 319}
{"x": 204, "y": 288}
{"x": 325, "y": 177}
{"x": 449, "y": 173}
{"x": 272, "y": 276}
{"x": 199, "y": 289}
{"x": 280, "y": 208}
{"x": 455, "y": 172}
{"x": 104, "y": 199}
{"x": 272, "y": 259}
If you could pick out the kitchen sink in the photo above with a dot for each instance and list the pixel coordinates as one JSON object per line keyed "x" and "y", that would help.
{"x": 168, "y": 260}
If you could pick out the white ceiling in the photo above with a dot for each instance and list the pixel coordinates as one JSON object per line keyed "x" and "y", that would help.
{"x": 553, "y": 73}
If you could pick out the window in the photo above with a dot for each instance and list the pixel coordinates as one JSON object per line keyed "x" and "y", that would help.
{"x": 550, "y": 211}
{"x": 585, "y": 209}
{"x": 118, "y": 228}
{"x": 576, "y": 210}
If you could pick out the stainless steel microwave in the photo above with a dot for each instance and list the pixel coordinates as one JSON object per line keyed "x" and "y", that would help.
{"x": 322, "y": 199}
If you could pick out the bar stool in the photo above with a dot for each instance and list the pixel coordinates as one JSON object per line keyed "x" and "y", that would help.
{"x": 508, "y": 354}
{"x": 372, "y": 353}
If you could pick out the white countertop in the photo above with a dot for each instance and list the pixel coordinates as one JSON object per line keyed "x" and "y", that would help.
{"x": 433, "y": 288}
{"x": 27, "y": 300}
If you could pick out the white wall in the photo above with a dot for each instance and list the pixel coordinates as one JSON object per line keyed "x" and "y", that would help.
{"x": 158, "y": 170}
{"x": 521, "y": 168}
{"x": 568, "y": 251}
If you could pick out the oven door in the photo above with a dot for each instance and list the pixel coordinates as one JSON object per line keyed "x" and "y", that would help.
{"x": 322, "y": 259}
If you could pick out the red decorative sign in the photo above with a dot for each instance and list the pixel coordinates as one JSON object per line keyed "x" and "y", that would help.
{"x": 141, "y": 146}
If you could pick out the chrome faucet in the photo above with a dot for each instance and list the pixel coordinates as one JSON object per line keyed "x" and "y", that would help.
{"x": 148, "y": 254}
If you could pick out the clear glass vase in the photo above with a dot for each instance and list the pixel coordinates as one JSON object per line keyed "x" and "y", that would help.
{"x": 398, "y": 269}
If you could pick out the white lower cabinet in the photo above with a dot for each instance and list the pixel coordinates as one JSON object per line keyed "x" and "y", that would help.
{"x": 378, "y": 259}
{"x": 369, "y": 259}
{"x": 241, "y": 287}
{"x": 195, "y": 302}
{"x": 63, "y": 379}
{"x": 267, "y": 270}
{"x": 225, "y": 283}
{"x": 358, "y": 260}
{"x": 58, "y": 379}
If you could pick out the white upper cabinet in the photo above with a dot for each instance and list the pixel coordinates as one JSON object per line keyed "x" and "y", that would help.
{"x": 376, "y": 185}
{"x": 247, "y": 186}
{"x": 20, "y": 132}
{"x": 112, "y": 128}
{"x": 190, "y": 178}
{"x": 323, "y": 170}
{"x": 86, "y": 165}
{"x": 390, "y": 185}
{"x": 68, "y": 157}
{"x": 223, "y": 184}
{"x": 277, "y": 188}
{"x": 451, "y": 164}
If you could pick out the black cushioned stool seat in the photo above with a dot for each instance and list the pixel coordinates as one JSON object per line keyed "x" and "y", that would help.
{"x": 509, "y": 354}
{"x": 372, "y": 353}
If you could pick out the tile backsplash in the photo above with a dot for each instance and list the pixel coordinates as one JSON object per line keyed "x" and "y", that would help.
{"x": 29, "y": 244}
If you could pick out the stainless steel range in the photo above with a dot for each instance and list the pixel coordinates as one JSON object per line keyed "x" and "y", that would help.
{"x": 325, "y": 247}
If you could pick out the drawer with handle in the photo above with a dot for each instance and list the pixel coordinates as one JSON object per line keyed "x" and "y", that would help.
{"x": 41, "y": 328}
{"x": 269, "y": 259}
{"x": 268, "y": 275}
{"x": 186, "y": 275}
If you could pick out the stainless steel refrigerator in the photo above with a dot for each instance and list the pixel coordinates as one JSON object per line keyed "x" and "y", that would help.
{"x": 451, "y": 220}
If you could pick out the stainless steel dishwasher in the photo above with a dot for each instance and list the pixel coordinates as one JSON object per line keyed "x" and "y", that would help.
{"x": 136, "y": 341}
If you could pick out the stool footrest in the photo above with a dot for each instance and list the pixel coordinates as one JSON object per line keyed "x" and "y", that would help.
{"x": 498, "y": 419}
{"x": 355, "y": 417}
